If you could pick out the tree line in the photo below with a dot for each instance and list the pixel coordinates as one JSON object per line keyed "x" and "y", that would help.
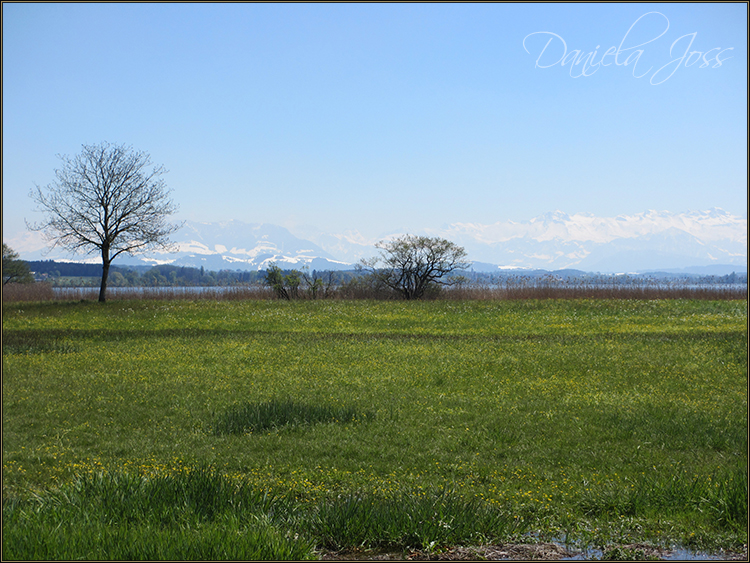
{"x": 289, "y": 284}
{"x": 156, "y": 276}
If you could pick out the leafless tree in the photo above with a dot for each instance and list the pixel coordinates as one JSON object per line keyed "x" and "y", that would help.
{"x": 413, "y": 264}
{"x": 108, "y": 199}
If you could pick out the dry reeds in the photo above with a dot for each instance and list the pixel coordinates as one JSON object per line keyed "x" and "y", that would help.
{"x": 515, "y": 290}
{"x": 595, "y": 292}
{"x": 39, "y": 291}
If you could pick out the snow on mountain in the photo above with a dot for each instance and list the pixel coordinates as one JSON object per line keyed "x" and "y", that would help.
{"x": 349, "y": 246}
{"x": 714, "y": 224}
{"x": 236, "y": 245}
{"x": 623, "y": 243}
{"x": 553, "y": 241}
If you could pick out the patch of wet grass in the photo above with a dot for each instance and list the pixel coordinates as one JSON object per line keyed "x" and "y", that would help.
{"x": 282, "y": 413}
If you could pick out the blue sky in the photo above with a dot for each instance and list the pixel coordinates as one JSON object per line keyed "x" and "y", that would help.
{"x": 385, "y": 117}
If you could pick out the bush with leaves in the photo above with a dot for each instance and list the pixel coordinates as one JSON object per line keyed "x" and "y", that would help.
{"x": 285, "y": 286}
{"x": 415, "y": 266}
{"x": 14, "y": 270}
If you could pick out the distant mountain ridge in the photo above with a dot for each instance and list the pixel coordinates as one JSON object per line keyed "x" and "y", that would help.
{"x": 245, "y": 246}
{"x": 651, "y": 240}
{"x": 646, "y": 241}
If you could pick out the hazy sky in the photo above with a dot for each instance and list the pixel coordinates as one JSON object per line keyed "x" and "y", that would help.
{"x": 382, "y": 117}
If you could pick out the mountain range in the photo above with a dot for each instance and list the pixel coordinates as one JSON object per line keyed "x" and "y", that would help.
{"x": 626, "y": 243}
{"x": 712, "y": 241}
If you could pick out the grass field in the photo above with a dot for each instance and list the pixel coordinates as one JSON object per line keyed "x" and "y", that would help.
{"x": 271, "y": 430}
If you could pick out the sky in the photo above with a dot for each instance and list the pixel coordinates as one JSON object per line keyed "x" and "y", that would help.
{"x": 385, "y": 117}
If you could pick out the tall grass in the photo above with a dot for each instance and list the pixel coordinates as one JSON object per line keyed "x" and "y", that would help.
{"x": 192, "y": 515}
{"x": 201, "y": 514}
{"x": 722, "y": 496}
{"x": 415, "y": 519}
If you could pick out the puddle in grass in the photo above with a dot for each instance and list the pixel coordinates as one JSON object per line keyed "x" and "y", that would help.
{"x": 556, "y": 549}
{"x": 639, "y": 551}
{"x": 672, "y": 554}
{"x": 687, "y": 555}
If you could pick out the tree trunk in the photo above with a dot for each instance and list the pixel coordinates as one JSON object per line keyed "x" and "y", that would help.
{"x": 105, "y": 274}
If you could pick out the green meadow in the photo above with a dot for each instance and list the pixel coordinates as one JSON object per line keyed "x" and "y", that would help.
{"x": 282, "y": 430}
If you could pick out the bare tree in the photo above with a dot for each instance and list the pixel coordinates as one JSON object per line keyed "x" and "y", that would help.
{"x": 413, "y": 264}
{"x": 109, "y": 200}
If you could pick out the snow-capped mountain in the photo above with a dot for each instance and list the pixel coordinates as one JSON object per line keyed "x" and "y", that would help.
{"x": 646, "y": 241}
{"x": 654, "y": 240}
{"x": 244, "y": 246}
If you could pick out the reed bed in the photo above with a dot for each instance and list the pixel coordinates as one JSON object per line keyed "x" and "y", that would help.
{"x": 515, "y": 290}
{"x": 20, "y": 292}
{"x": 231, "y": 293}
{"x": 589, "y": 291}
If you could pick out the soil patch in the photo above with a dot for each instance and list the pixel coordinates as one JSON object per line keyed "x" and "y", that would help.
{"x": 529, "y": 552}
{"x": 539, "y": 551}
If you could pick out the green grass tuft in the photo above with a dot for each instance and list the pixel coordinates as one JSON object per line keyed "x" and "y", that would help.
{"x": 196, "y": 514}
{"x": 275, "y": 414}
